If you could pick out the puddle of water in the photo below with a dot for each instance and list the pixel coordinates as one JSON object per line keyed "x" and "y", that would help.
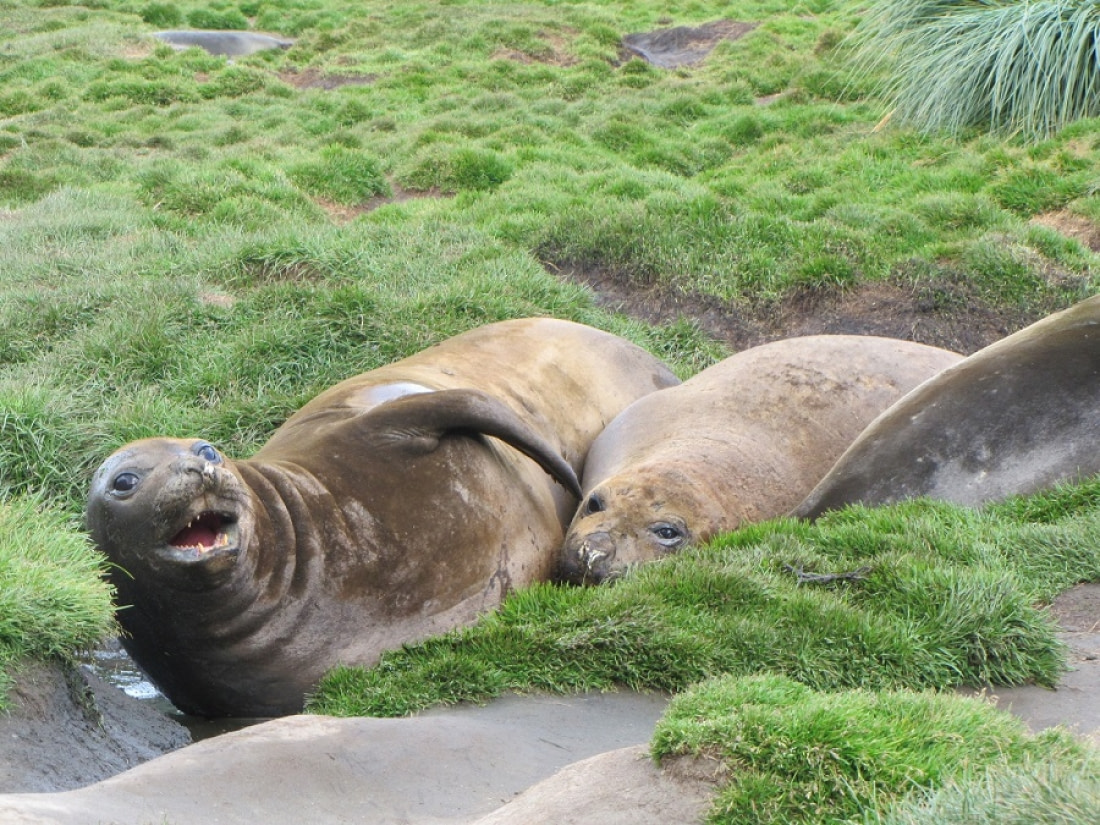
{"x": 113, "y": 664}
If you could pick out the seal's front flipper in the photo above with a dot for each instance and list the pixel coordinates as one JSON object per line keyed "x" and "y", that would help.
{"x": 420, "y": 421}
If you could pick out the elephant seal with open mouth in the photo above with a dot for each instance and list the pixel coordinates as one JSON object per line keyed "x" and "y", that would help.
{"x": 1011, "y": 419}
{"x": 395, "y": 505}
{"x": 742, "y": 441}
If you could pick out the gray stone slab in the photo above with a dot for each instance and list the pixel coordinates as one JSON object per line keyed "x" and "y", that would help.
{"x": 446, "y": 766}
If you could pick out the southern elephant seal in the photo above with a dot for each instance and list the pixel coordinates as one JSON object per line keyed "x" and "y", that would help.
{"x": 225, "y": 43}
{"x": 378, "y": 514}
{"x": 1011, "y": 419}
{"x": 742, "y": 441}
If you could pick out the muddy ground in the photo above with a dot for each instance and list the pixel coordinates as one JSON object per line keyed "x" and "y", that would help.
{"x": 942, "y": 308}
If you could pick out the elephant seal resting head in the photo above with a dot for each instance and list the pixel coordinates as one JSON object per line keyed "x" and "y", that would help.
{"x": 742, "y": 441}
{"x": 1011, "y": 419}
{"x": 395, "y": 505}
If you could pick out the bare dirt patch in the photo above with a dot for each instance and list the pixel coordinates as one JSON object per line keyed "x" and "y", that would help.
{"x": 556, "y": 53}
{"x": 341, "y": 213}
{"x": 1078, "y": 227}
{"x": 68, "y": 728}
{"x": 946, "y": 312}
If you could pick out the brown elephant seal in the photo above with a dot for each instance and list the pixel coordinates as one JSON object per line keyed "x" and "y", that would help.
{"x": 395, "y": 505}
{"x": 1011, "y": 419}
{"x": 742, "y": 441}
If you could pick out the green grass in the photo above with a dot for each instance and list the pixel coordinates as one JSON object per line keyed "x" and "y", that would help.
{"x": 948, "y": 597}
{"x": 797, "y": 755}
{"x": 53, "y": 600}
{"x": 547, "y": 138}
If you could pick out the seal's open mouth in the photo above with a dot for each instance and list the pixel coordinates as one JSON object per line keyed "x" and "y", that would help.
{"x": 206, "y": 532}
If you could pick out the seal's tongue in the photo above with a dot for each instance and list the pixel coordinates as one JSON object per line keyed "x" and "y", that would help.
{"x": 201, "y": 533}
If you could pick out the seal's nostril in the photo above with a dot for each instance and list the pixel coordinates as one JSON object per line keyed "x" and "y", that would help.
{"x": 592, "y": 557}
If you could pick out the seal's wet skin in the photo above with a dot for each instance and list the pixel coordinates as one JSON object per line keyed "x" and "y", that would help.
{"x": 740, "y": 442}
{"x": 394, "y": 506}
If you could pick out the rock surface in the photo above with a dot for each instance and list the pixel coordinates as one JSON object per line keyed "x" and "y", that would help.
{"x": 445, "y": 766}
{"x": 683, "y": 45}
{"x": 68, "y": 728}
{"x": 224, "y": 43}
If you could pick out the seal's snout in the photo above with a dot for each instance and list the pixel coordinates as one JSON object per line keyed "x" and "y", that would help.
{"x": 209, "y": 477}
{"x": 588, "y": 560}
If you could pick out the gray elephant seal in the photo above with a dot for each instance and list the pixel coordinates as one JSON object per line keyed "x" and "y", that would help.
{"x": 1011, "y": 419}
{"x": 395, "y": 505}
{"x": 742, "y": 441}
{"x": 228, "y": 43}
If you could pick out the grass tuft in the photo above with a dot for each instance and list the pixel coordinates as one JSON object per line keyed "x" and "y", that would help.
{"x": 1040, "y": 791}
{"x": 793, "y": 754}
{"x": 1004, "y": 67}
{"x": 53, "y": 597}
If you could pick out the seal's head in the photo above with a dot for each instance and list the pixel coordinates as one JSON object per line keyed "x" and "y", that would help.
{"x": 173, "y": 507}
{"x": 628, "y": 519}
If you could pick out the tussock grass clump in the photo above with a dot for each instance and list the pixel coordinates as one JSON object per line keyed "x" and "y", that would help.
{"x": 53, "y": 599}
{"x": 1002, "y": 66}
{"x": 1063, "y": 791}
{"x": 798, "y": 755}
{"x": 941, "y": 596}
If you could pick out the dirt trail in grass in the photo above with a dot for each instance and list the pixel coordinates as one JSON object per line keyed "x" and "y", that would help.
{"x": 942, "y": 309}
{"x": 947, "y": 313}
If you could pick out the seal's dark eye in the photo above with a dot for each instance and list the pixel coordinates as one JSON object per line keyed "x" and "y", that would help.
{"x": 207, "y": 453}
{"x": 124, "y": 482}
{"x": 667, "y": 534}
{"x": 593, "y": 505}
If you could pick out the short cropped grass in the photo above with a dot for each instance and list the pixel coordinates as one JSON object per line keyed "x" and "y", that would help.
{"x": 53, "y": 599}
{"x": 747, "y": 178}
{"x": 793, "y": 754}
{"x": 930, "y": 596}
{"x": 227, "y": 338}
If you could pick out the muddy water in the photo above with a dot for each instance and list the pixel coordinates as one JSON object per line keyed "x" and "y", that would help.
{"x": 114, "y": 665}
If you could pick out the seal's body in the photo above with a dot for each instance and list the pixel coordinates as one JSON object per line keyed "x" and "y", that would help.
{"x": 393, "y": 506}
{"x": 742, "y": 441}
{"x": 1011, "y": 419}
